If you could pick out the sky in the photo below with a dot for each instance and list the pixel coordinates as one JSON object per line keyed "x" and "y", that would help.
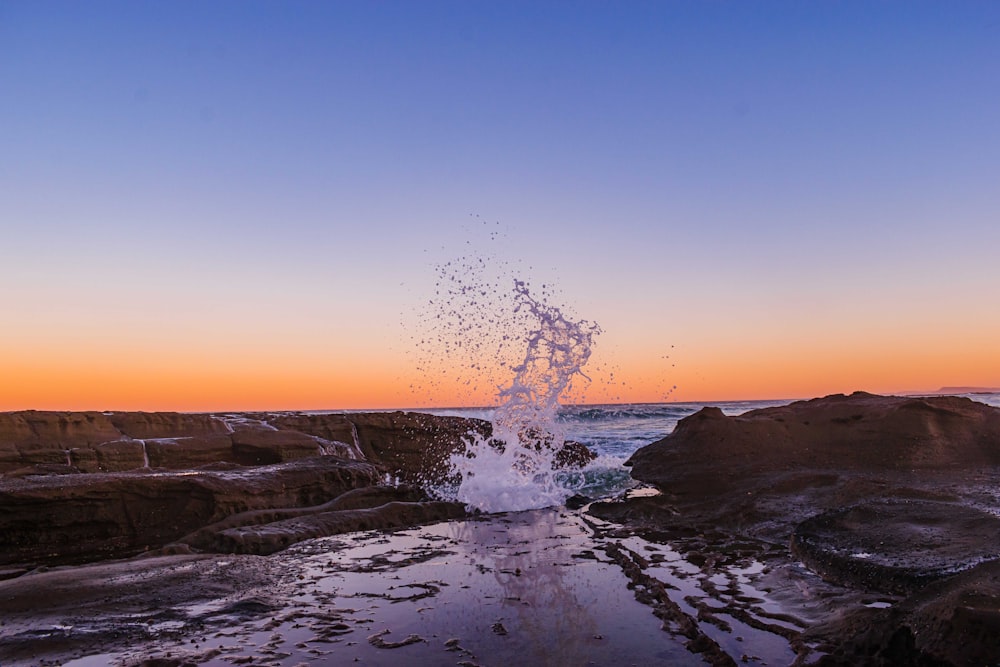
{"x": 242, "y": 205}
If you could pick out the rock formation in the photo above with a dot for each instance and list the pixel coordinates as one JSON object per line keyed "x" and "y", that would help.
{"x": 411, "y": 446}
{"x": 77, "y": 486}
{"x": 74, "y": 518}
{"x": 91, "y": 485}
{"x": 884, "y": 494}
{"x": 785, "y": 463}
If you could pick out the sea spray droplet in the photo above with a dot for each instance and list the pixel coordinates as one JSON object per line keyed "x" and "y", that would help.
{"x": 516, "y": 469}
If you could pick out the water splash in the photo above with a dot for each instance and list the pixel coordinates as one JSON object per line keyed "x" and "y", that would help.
{"x": 517, "y": 468}
{"x": 469, "y": 337}
{"x": 557, "y": 350}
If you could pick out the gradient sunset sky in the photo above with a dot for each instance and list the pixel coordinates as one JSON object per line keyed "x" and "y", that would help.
{"x": 240, "y": 205}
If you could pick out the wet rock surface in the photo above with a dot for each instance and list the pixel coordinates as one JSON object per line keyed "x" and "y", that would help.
{"x": 77, "y": 487}
{"x": 896, "y": 546}
{"x": 492, "y": 590}
{"x": 890, "y": 496}
{"x": 411, "y": 446}
{"x": 75, "y": 518}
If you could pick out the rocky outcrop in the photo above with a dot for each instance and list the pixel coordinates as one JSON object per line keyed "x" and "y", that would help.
{"x": 254, "y": 536}
{"x": 408, "y": 446}
{"x": 896, "y": 546}
{"x": 858, "y": 433}
{"x": 260, "y": 446}
{"x": 955, "y": 621}
{"x": 73, "y": 518}
{"x": 878, "y": 494}
{"x": 152, "y": 425}
{"x": 411, "y": 446}
{"x": 117, "y": 442}
{"x": 115, "y": 455}
{"x": 86, "y": 486}
{"x": 768, "y": 469}
{"x": 185, "y": 453}
{"x": 32, "y": 437}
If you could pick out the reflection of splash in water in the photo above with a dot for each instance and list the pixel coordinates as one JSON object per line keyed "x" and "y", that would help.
{"x": 515, "y": 470}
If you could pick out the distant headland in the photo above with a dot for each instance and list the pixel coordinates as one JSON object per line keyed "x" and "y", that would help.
{"x": 967, "y": 390}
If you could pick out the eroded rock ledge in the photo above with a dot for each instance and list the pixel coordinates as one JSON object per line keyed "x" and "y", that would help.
{"x": 83, "y": 486}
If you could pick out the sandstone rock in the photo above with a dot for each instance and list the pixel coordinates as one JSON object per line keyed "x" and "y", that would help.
{"x": 412, "y": 446}
{"x": 860, "y": 432}
{"x": 218, "y": 536}
{"x": 16, "y": 430}
{"x": 67, "y": 495}
{"x": 845, "y": 448}
{"x": 191, "y": 452}
{"x": 75, "y": 518}
{"x": 761, "y": 474}
{"x": 115, "y": 456}
{"x": 63, "y": 429}
{"x": 258, "y": 446}
{"x": 574, "y": 455}
{"x": 331, "y": 427}
{"x": 874, "y": 493}
{"x": 85, "y": 459}
{"x": 896, "y": 546}
{"x": 268, "y": 538}
{"x": 33, "y": 437}
{"x": 951, "y": 622}
{"x": 44, "y": 469}
{"x": 151, "y": 425}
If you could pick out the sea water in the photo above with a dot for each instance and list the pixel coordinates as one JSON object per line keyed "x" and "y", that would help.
{"x": 612, "y": 432}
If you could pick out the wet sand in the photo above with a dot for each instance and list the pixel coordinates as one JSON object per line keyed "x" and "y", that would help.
{"x": 544, "y": 587}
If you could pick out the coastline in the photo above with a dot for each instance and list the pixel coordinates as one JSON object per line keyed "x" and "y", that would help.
{"x": 816, "y": 532}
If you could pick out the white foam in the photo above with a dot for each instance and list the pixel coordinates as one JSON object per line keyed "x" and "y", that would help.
{"x": 515, "y": 469}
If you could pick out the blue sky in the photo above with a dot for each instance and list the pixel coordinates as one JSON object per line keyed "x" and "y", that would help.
{"x": 732, "y": 178}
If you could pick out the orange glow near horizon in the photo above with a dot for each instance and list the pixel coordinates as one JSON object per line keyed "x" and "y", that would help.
{"x": 197, "y": 384}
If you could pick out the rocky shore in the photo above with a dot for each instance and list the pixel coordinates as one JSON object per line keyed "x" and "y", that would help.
{"x": 78, "y": 487}
{"x": 845, "y": 530}
{"x": 879, "y": 495}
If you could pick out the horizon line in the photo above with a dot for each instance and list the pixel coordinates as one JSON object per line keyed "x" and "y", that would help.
{"x": 943, "y": 391}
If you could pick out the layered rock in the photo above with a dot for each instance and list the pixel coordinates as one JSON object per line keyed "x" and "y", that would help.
{"x": 116, "y": 442}
{"x": 85, "y": 486}
{"x": 70, "y": 518}
{"x": 261, "y": 533}
{"x": 32, "y": 437}
{"x": 859, "y": 433}
{"x": 785, "y": 463}
{"x": 412, "y": 446}
{"x": 884, "y": 494}
{"x": 896, "y": 546}
{"x": 152, "y": 425}
{"x": 953, "y": 621}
